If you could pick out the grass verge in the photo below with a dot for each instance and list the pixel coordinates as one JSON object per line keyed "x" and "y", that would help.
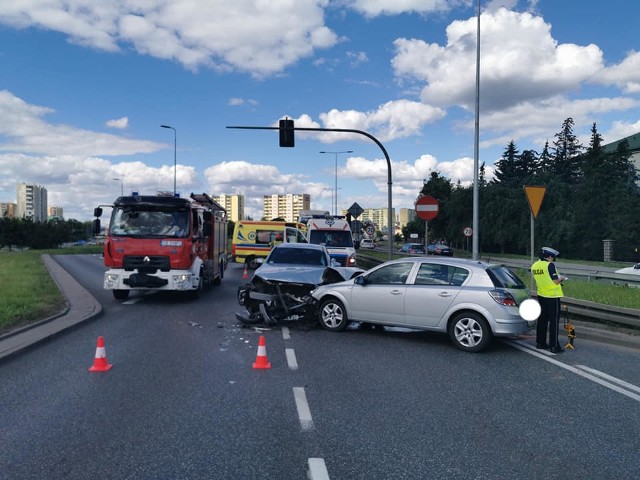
{"x": 29, "y": 294}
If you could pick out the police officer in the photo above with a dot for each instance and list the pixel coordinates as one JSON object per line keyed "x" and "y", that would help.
{"x": 548, "y": 283}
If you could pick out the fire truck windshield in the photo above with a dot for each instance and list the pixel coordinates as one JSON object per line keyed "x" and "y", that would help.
{"x": 128, "y": 222}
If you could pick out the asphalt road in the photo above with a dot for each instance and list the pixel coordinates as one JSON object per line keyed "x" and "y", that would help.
{"x": 182, "y": 401}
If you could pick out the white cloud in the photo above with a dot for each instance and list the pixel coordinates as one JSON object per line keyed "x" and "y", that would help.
{"x": 262, "y": 38}
{"x": 520, "y": 61}
{"x": 374, "y": 8}
{"x": 120, "y": 123}
{"x": 27, "y": 132}
{"x": 625, "y": 75}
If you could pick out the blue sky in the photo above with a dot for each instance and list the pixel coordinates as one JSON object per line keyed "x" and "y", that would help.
{"x": 85, "y": 86}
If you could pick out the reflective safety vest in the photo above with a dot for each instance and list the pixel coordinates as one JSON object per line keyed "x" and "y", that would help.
{"x": 544, "y": 284}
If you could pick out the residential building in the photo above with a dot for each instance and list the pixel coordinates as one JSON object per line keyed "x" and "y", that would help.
{"x": 56, "y": 212}
{"x": 31, "y": 202}
{"x": 233, "y": 204}
{"x": 405, "y": 216}
{"x": 285, "y": 206}
{"x": 379, "y": 216}
{"x": 8, "y": 209}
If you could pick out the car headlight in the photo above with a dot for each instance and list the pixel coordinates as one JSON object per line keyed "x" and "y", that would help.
{"x": 182, "y": 281}
{"x": 111, "y": 280}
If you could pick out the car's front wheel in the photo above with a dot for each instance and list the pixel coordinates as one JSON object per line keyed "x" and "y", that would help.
{"x": 332, "y": 315}
{"x": 470, "y": 332}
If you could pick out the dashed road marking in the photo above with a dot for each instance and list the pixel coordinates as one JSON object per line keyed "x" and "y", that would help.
{"x": 304, "y": 414}
{"x": 291, "y": 358}
{"x": 318, "y": 469}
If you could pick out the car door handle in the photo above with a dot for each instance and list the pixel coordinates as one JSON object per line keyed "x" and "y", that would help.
{"x": 444, "y": 294}
{"x": 396, "y": 292}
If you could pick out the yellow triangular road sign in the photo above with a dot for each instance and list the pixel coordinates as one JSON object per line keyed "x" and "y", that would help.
{"x": 535, "y": 196}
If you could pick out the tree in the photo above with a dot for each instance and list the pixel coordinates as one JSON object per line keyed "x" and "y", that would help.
{"x": 566, "y": 152}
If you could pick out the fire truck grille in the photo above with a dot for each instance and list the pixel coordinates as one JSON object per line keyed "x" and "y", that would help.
{"x": 147, "y": 263}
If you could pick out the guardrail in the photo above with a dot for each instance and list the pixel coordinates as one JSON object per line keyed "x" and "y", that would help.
{"x": 585, "y": 310}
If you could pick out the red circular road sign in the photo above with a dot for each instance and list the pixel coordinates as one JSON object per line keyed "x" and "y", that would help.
{"x": 427, "y": 207}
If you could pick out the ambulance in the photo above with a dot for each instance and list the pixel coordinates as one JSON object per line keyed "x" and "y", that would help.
{"x": 335, "y": 234}
{"x": 253, "y": 240}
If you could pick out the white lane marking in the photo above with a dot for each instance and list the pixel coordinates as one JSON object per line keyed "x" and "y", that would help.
{"x": 575, "y": 370}
{"x": 304, "y": 414}
{"x": 318, "y": 469}
{"x": 285, "y": 333}
{"x": 291, "y": 358}
{"x": 598, "y": 373}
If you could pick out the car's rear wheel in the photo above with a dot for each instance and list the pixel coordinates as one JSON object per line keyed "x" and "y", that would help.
{"x": 332, "y": 315}
{"x": 470, "y": 332}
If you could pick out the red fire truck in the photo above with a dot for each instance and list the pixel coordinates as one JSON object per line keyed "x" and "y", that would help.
{"x": 163, "y": 243}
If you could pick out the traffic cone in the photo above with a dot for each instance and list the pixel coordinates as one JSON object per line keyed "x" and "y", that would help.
{"x": 100, "y": 363}
{"x": 261, "y": 358}
{"x": 245, "y": 275}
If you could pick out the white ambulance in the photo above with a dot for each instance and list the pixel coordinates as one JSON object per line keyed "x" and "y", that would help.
{"x": 334, "y": 233}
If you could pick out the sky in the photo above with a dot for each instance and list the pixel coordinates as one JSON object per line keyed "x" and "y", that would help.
{"x": 85, "y": 86}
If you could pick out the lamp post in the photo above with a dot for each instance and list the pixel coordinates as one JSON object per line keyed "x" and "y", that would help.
{"x": 335, "y": 205}
{"x": 121, "y": 186}
{"x": 175, "y": 152}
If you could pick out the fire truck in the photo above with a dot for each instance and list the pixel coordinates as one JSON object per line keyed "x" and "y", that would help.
{"x": 163, "y": 243}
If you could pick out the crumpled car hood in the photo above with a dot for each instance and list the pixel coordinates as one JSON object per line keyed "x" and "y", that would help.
{"x": 311, "y": 275}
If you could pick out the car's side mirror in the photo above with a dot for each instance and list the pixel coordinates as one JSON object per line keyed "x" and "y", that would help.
{"x": 361, "y": 280}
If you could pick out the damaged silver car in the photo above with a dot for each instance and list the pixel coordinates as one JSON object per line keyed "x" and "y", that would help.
{"x": 280, "y": 288}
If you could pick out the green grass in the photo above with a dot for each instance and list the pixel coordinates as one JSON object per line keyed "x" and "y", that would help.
{"x": 29, "y": 294}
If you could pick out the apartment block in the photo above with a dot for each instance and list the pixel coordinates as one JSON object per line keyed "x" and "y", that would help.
{"x": 285, "y": 206}
{"x": 233, "y": 204}
{"x": 56, "y": 212}
{"x": 31, "y": 202}
{"x": 8, "y": 209}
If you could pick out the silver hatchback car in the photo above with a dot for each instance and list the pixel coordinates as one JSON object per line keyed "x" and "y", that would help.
{"x": 470, "y": 300}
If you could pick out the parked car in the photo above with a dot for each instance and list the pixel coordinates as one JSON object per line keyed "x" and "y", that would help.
{"x": 469, "y": 300}
{"x": 417, "y": 248}
{"x": 367, "y": 243}
{"x": 439, "y": 249}
{"x": 279, "y": 289}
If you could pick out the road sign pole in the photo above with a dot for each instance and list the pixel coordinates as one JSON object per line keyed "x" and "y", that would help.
{"x": 426, "y": 235}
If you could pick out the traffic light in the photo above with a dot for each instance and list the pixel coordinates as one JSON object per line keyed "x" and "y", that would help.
{"x": 286, "y": 133}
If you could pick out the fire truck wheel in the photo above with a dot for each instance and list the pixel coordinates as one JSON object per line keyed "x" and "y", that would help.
{"x": 121, "y": 294}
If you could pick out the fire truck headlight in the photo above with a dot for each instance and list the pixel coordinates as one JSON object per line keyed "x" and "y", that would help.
{"x": 111, "y": 280}
{"x": 182, "y": 281}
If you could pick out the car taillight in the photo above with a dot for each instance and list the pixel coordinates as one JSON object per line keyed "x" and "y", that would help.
{"x": 503, "y": 298}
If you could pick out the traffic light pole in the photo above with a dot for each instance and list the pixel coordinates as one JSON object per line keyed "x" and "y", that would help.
{"x": 290, "y": 127}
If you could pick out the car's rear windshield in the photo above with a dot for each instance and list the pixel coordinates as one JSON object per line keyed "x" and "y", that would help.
{"x": 502, "y": 277}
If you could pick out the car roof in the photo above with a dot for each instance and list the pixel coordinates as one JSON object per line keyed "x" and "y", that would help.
{"x": 460, "y": 262}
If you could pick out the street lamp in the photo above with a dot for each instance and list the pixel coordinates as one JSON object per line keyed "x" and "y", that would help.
{"x": 121, "y": 186}
{"x": 335, "y": 207}
{"x": 175, "y": 149}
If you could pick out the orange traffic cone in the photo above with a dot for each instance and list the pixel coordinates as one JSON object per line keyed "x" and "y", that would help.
{"x": 245, "y": 275}
{"x": 100, "y": 363}
{"x": 261, "y": 358}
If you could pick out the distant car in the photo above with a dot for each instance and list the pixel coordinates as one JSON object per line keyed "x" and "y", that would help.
{"x": 439, "y": 249}
{"x": 279, "y": 288}
{"x": 367, "y": 243}
{"x": 471, "y": 301}
{"x": 635, "y": 270}
{"x": 417, "y": 248}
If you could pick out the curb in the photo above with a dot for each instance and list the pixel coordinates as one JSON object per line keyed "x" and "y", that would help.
{"x": 80, "y": 306}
